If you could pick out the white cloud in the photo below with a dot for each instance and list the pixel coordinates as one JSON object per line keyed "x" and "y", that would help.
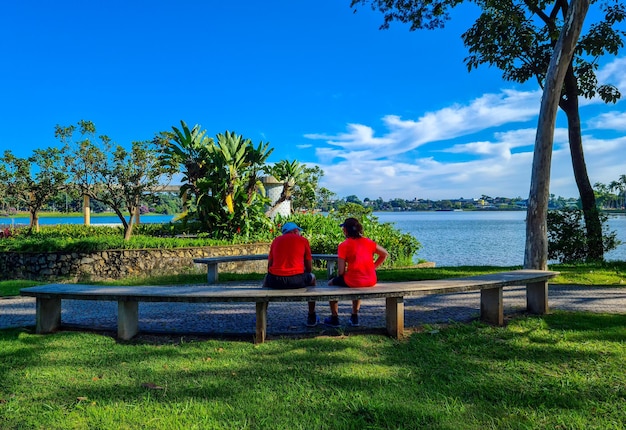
{"x": 433, "y": 156}
{"x": 609, "y": 121}
{"x": 614, "y": 73}
{"x": 490, "y": 110}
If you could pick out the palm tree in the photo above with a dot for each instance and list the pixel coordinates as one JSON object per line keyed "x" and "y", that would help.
{"x": 192, "y": 151}
{"x": 614, "y": 186}
{"x": 622, "y": 189}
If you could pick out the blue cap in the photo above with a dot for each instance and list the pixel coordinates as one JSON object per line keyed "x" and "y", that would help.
{"x": 290, "y": 226}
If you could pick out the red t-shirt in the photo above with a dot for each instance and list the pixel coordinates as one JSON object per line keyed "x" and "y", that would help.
{"x": 359, "y": 256}
{"x": 288, "y": 253}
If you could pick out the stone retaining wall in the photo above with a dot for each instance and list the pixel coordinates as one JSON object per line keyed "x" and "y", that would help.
{"x": 121, "y": 263}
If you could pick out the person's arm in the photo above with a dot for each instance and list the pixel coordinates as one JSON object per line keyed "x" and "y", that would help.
{"x": 308, "y": 266}
{"x": 341, "y": 266}
{"x": 381, "y": 254}
{"x": 270, "y": 255}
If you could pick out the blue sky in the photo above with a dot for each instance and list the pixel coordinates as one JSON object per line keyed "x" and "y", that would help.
{"x": 385, "y": 114}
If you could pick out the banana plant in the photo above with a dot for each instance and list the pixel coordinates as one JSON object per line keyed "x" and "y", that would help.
{"x": 256, "y": 160}
{"x": 232, "y": 153}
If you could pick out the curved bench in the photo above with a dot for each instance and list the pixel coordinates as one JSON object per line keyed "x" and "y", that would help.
{"x": 491, "y": 307}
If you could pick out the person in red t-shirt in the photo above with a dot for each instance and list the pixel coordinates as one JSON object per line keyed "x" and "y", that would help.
{"x": 290, "y": 264}
{"x": 356, "y": 267}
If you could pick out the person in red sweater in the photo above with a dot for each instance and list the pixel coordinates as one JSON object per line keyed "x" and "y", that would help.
{"x": 356, "y": 267}
{"x": 290, "y": 264}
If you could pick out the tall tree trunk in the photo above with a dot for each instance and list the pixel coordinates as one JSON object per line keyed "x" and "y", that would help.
{"x": 536, "y": 252}
{"x": 593, "y": 225}
{"x": 34, "y": 220}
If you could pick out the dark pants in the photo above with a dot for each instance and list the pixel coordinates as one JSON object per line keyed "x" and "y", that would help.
{"x": 338, "y": 281}
{"x": 301, "y": 280}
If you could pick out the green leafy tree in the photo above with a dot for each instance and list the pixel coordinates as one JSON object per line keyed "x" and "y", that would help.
{"x": 519, "y": 38}
{"x": 529, "y": 39}
{"x": 111, "y": 174}
{"x": 325, "y": 199}
{"x": 33, "y": 181}
{"x": 354, "y": 199}
{"x": 307, "y": 190}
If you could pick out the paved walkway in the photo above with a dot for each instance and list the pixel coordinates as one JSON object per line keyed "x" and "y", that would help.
{"x": 288, "y": 318}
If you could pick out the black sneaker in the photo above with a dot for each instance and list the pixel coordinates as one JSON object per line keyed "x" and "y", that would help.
{"x": 332, "y": 321}
{"x": 312, "y": 320}
{"x": 354, "y": 320}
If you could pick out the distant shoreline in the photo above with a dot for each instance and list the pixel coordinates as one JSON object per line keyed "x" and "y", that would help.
{"x": 112, "y": 214}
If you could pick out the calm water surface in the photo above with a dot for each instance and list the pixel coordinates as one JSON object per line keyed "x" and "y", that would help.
{"x": 95, "y": 220}
{"x": 478, "y": 238}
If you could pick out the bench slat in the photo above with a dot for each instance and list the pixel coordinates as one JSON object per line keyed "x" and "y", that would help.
{"x": 254, "y": 292}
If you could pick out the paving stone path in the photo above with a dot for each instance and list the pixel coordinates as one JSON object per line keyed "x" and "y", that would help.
{"x": 286, "y": 319}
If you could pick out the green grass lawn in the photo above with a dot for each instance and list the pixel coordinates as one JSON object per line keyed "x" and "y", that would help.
{"x": 559, "y": 371}
{"x": 564, "y": 370}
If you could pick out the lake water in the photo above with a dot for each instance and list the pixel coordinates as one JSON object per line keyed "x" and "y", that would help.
{"x": 448, "y": 238}
{"x": 95, "y": 220}
{"x": 478, "y": 238}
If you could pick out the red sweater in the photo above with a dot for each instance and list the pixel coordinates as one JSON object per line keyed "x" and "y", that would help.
{"x": 359, "y": 257}
{"x": 288, "y": 253}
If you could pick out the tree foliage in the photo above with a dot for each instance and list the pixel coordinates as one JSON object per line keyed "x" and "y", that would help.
{"x": 307, "y": 192}
{"x": 111, "y": 174}
{"x": 221, "y": 183}
{"x": 519, "y": 37}
{"x": 33, "y": 181}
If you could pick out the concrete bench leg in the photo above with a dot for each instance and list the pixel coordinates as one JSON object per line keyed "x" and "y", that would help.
{"x": 330, "y": 269}
{"x": 48, "y": 315}
{"x": 211, "y": 270}
{"x": 261, "y": 322}
{"x": 127, "y": 319}
{"x": 491, "y": 306}
{"x": 537, "y": 297}
{"x": 395, "y": 316}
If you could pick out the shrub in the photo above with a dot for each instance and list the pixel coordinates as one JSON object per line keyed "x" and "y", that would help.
{"x": 324, "y": 233}
{"x": 567, "y": 237}
{"x": 81, "y": 238}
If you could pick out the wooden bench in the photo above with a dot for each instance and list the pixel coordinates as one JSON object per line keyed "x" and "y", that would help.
{"x": 490, "y": 286}
{"x": 213, "y": 262}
